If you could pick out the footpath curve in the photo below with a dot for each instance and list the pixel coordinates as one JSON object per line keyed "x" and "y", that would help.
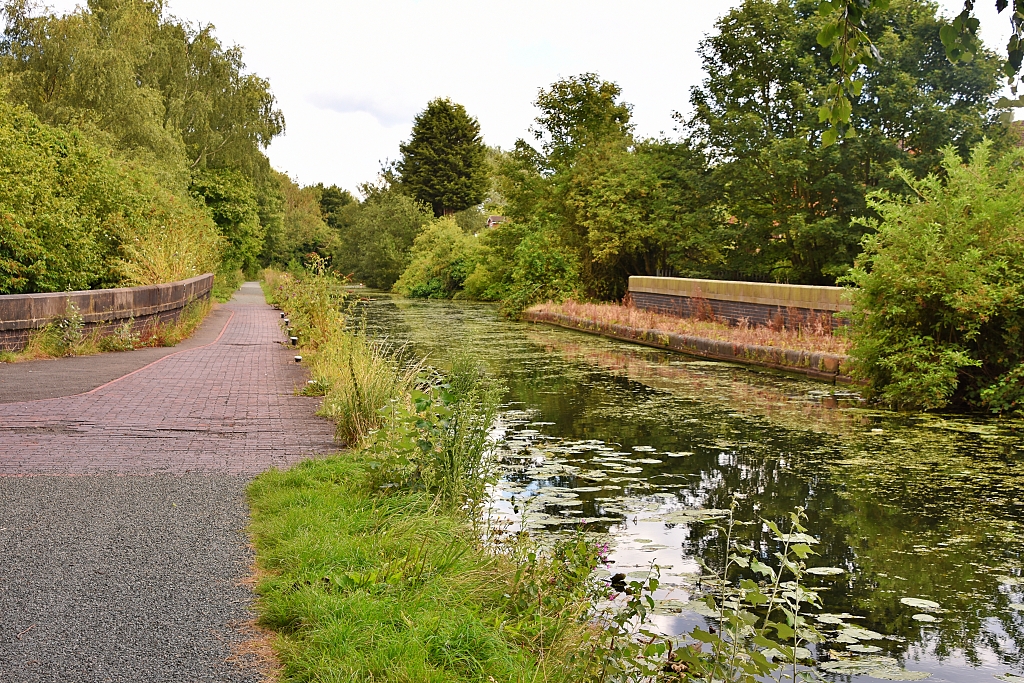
{"x": 122, "y": 511}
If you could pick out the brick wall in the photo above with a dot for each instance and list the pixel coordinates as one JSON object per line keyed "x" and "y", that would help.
{"x": 21, "y": 314}
{"x": 758, "y": 303}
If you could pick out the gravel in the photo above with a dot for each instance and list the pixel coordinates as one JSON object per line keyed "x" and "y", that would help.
{"x": 123, "y": 578}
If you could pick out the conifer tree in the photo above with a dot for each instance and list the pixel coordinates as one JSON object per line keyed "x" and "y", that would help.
{"x": 443, "y": 165}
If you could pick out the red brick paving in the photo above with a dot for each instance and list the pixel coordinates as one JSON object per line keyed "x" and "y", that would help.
{"x": 226, "y": 407}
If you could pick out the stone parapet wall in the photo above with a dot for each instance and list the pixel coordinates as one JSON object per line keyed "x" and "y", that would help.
{"x": 759, "y": 303}
{"x": 822, "y": 366}
{"x": 22, "y": 314}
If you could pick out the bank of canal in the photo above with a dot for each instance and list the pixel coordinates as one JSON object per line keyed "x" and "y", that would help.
{"x": 637, "y": 444}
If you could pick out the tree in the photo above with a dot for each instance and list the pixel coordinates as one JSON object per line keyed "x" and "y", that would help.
{"x": 442, "y": 257}
{"x": 618, "y": 207}
{"x": 152, "y": 84}
{"x": 444, "y": 164}
{"x": 847, "y": 35}
{"x": 231, "y": 197}
{"x": 75, "y": 216}
{"x": 375, "y": 241}
{"x": 792, "y": 202}
{"x": 302, "y": 229}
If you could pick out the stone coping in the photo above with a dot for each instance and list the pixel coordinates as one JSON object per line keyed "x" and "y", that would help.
{"x": 827, "y": 367}
{"x": 32, "y": 311}
{"x": 765, "y": 293}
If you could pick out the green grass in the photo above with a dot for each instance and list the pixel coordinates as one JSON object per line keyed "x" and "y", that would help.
{"x": 366, "y": 586}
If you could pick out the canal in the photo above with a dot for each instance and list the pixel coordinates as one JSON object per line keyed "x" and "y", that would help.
{"x": 919, "y": 516}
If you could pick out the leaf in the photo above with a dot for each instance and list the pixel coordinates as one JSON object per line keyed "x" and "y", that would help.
{"x": 926, "y": 618}
{"x": 864, "y": 649}
{"x": 859, "y": 633}
{"x": 875, "y": 666}
{"x": 921, "y": 603}
{"x": 829, "y": 136}
{"x": 825, "y": 571}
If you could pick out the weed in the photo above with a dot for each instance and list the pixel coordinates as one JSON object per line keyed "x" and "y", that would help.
{"x": 814, "y": 333}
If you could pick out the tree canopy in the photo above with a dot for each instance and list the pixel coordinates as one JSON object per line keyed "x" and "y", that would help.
{"x": 444, "y": 164}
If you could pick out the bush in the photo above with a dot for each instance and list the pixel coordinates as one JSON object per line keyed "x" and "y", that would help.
{"x": 443, "y": 256}
{"x": 73, "y": 215}
{"x": 939, "y": 305}
{"x": 543, "y": 270}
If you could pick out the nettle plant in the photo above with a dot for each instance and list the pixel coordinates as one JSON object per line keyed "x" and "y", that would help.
{"x": 760, "y": 627}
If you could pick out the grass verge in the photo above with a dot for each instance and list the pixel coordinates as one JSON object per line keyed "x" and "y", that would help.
{"x": 372, "y": 565}
{"x": 363, "y": 586}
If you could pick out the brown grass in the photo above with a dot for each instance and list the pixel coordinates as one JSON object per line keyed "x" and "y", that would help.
{"x": 817, "y": 336}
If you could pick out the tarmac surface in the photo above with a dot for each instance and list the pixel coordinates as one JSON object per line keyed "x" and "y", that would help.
{"x": 123, "y": 554}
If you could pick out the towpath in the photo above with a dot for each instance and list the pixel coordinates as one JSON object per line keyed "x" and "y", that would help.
{"x": 122, "y": 511}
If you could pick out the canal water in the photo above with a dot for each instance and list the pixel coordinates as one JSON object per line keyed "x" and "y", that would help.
{"x": 645, "y": 448}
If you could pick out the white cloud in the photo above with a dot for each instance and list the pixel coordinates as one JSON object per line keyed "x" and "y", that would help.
{"x": 350, "y": 76}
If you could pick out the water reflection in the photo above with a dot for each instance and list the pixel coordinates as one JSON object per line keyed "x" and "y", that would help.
{"x": 643, "y": 447}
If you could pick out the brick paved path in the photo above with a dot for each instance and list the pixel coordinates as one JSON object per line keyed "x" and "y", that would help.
{"x": 133, "y": 573}
{"x": 227, "y": 407}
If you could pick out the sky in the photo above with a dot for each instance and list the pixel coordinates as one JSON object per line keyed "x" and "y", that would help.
{"x": 350, "y": 76}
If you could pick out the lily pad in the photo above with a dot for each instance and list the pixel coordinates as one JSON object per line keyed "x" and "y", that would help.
{"x": 926, "y": 618}
{"x": 858, "y": 633}
{"x": 826, "y": 571}
{"x": 1019, "y": 606}
{"x": 688, "y": 516}
{"x": 1011, "y": 678}
{"x": 876, "y": 666}
{"x": 921, "y": 603}
{"x": 864, "y": 649}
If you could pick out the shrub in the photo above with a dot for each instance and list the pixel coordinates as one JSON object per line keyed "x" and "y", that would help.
{"x": 73, "y": 215}
{"x": 939, "y": 305}
{"x": 442, "y": 257}
{"x": 543, "y": 270}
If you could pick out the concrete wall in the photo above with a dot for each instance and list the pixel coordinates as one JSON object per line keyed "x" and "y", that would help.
{"x": 760, "y": 303}
{"x": 21, "y": 314}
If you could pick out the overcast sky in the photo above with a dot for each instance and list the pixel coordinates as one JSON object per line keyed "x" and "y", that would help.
{"x": 350, "y": 76}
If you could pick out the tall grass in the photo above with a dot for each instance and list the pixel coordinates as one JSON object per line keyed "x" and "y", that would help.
{"x": 358, "y": 377}
{"x": 67, "y": 335}
{"x": 373, "y": 570}
{"x": 815, "y": 334}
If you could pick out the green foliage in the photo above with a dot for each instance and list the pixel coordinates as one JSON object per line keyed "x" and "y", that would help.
{"x": 543, "y": 270}
{"x": 226, "y": 283}
{"x": 376, "y": 237}
{"x": 444, "y": 164}
{"x": 363, "y": 584}
{"x": 792, "y": 202}
{"x": 442, "y": 257}
{"x": 302, "y": 229}
{"x": 846, "y": 33}
{"x": 147, "y": 82}
{"x": 436, "y": 438}
{"x": 231, "y": 197}
{"x": 939, "y": 305}
{"x": 75, "y": 216}
{"x": 170, "y": 98}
